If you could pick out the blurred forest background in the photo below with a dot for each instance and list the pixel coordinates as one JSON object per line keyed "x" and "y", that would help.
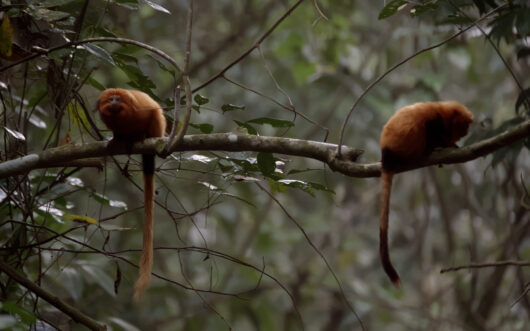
{"x": 239, "y": 246}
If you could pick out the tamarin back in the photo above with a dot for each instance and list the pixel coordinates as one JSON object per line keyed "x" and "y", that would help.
{"x": 411, "y": 134}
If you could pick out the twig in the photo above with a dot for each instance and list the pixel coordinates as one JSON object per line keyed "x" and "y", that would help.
{"x": 525, "y": 292}
{"x": 248, "y": 51}
{"x": 487, "y": 265}
{"x": 73, "y": 312}
{"x": 319, "y": 11}
{"x": 174, "y": 129}
{"x": 93, "y": 40}
{"x": 175, "y": 141}
{"x": 310, "y": 242}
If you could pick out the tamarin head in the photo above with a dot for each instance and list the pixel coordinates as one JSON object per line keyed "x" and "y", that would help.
{"x": 113, "y": 101}
{"x": 131, "y": 114}
{"x": 459, "y": 118}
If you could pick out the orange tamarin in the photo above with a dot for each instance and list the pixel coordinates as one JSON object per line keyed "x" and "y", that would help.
{"x": 409, "y": 136}
{"x": 132, "y": 115}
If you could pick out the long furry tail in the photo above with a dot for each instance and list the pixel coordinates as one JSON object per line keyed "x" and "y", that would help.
{"x": 386, "y": 179}
{"x": 146, "y": 260}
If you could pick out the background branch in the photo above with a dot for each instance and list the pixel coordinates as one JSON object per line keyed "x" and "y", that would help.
{"x": 487, "y": 265}
{"x": 75, "y": 314}
{"x": 93, "y": 40}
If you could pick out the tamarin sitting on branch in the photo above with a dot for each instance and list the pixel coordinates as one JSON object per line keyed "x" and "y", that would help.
{"x": 132, "y": 116}
{"x": 410, "y": 135}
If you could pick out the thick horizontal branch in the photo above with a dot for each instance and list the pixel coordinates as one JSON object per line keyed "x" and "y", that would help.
{"x": 232, "y": 142}
{"x": 74, "y": 313}
{"x": 229, "y": 142}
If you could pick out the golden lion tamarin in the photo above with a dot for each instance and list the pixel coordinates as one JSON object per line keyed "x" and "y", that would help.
{"x": 132, "y": 115}
{"x": 410, "y": 135}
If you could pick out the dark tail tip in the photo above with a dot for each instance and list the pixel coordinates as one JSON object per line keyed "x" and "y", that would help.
{"x": 148, "y": 163}
{"x": 385, "y": 259}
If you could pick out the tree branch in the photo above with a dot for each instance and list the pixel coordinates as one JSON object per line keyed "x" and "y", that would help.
{"x": 486, "y": 265}
{"x": 176, "y": 138}
{"x": 232, "y": 142}
{"x": 75, "y": 314}
{"x": 93, "y": 40}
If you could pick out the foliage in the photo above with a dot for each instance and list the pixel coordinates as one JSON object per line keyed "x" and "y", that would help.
{"x": 236, "y": 232}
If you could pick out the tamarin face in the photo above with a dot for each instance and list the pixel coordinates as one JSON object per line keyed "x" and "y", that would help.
{"x": 112, "y": 102}
{"x": 460, "y": 122}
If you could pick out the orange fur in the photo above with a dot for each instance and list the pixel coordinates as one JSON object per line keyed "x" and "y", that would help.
{"x": 132, "y": 115}
{"x": 410, "y": 135}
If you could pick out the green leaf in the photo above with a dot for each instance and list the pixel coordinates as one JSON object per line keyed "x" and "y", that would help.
{"x": 391, "y": 8}
{"x": 123, "y": 58}
{"x": 210, "y": 187}
{"x": 523, "y": 52}
{"x": 523, "y": 97}
{"x": 49, "y": 212}
{"x": 163, "y": 66}
{"x": 80, "y": 218}
{"x": 102, "y": 32}
{"x": 300, "y": 171}
{"x": 14, "y": 309}
{"x": 273, "y": 122}
{"x": 122, "y": 324}
{"x": 200, "y": 158}
{"x": 423, "y": 8}
{"x": 129, "y": 4}
{"x": 100, "y": 53}
{"x": 294, "y": 183}
{"x": 200, "y": 100}
{"x": 53, "y": 3}
{"x": 291, "y": 46}
{"x": 224, "y": 168}
{"x": 94, "y": 83}
{"x": 233, "y": 196}
{"x": 203, "y": 127}
{"x": 266, "y": 163}
{"x": 48, "y": 15}
{"x": 15, "y": 134}
{"x": 321, "y": 187}
{"x": 107, "y": 202}
{"x": 502, "y": 27}
{"x": 523, "y": 22}
{"x": 277, "y": 187}
{"x": 247, "y": 165}
{"x": 231, "y": 107}
{"x": 156, "y": 6}
{"x": 138, "y": 79}
{"x": 77, "y": 115}
{"x": 250, "y": 128}
{"x": 6, "y": 37}
{"x": 302, "y": 69}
